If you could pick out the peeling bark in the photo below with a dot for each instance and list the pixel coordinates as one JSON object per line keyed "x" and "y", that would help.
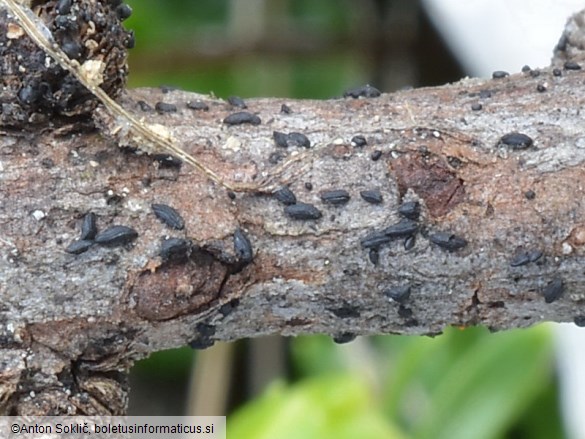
{"x": 72, "y": 325}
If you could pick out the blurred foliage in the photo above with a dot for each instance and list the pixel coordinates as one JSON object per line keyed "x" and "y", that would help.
{"x": 334, "y": 406}
{"x": 169, "y": 33}
{"x": 176, "y": 363}
{"x": 163, "y": 24}
{"x": 463, "y": 384}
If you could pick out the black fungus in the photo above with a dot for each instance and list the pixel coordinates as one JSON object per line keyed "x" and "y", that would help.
{"x": 374, "y": 240}
{"x": 29, "y": 95}
{"x": 346, "y": 312}
{"x": 168, "y": 88}
{"x": 285, "y": 196}
{"x": 375, "y": 156}
{"x": 404, "y": 312}
{"x": 298, "y": 139}
{"x": 557, "y": 72}
{"x": 130, "y": 40}
{"x": 309, "y": 186}
{"x": 116, "y": 235}
{"x": 374, "y": 256}
{"x": 124, "y": 12}
{"x": 302, "y": 211}
{"x": 579, "y": 320}
{"x": 236, "y": 101}
{"x": 516, "y": 141}
{"x": 63, "y": 7}
{"x": 242, "y": 117}
{"x": 530, "y": 194}
{"x": 112, "y": 198}
{"x": 79, "y": 246}
{"x": 454, "y": 161}
{"x": 197, "y": 105}
{"x": 227, "y": 308}
{"x": 365, "y": 91}
{"x": 476, "y": 107}
{"x": 72, "y": 48}
{"x": 448, "y": 241}
{"x": 553, "y": 290}
{"x": 541, "y": 88}
{"x": 275, "y": 157}
{"x": 65, "y": 24}
{"x": 344, "y": 337}
{"x": 88, "y": 227}
{"x": 526, "y": 69}
{"x": 335, "y": 197}
{"x": 175, "y": 249}
{"x": 571, "y": 65}
{"x": 399, "y": 294}
{"x": 409, "y": 242}
{"x": 168, "y": 216}
{"x": 167, "y": 160}
{"x": 205, "y": 329}
{"x": 535, "y": 73}
{"x": 201, "y": 343}
{"x": 58, "y": 94}
{"x": 534, "y": 255}
{"x": 499, "y": 74}
{"x": 231, "y": 195}
{"x": 285, "y": 109}
{"x": 520, "y": 259}
{"x": 163, "y": 107}
{"x": 525, "y": 257}
{"x": 243, "y": 247}
{"x": 403, "y": 228}
{"x": 410, "y": 210}
{"x": 144, "y": 106}
{"x": 373, "y": 196}
{"x": 281, "y": 139}
{"x": 359, "y": 141}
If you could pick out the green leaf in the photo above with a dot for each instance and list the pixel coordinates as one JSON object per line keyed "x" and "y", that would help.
{"x": 171, "y": 363}
{"x": 542, "y": 419}
{"x": 315, "y": 354}
{"x": 332, "y": 407}
{"x": 489, "y": 386}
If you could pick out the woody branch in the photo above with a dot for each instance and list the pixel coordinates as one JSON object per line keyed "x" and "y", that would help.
{"x": 506, "y": 201}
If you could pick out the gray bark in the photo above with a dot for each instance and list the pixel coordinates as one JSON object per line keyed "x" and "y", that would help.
{"x": 71, "y": 326}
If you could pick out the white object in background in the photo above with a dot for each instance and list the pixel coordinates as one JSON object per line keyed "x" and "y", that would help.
{"x": 489, "y": 35}
{"x": 570, "y": 341}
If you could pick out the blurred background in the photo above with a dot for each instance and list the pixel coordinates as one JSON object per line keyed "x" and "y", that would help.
{"x": 466, "y": 383}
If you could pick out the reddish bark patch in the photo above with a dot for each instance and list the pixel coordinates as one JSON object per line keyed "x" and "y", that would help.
{"x": 431, "y": 179}
{"x": 176, "y": 290}
{"x": 577, "y": 236}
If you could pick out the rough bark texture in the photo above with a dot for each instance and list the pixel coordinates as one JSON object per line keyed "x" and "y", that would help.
{"x": 71, "y": 325}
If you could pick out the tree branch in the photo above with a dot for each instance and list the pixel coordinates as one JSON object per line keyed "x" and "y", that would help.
{"x": 69, "y": 323}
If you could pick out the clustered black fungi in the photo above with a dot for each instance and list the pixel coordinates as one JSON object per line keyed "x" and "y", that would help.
{"x": 34, "y": 88}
